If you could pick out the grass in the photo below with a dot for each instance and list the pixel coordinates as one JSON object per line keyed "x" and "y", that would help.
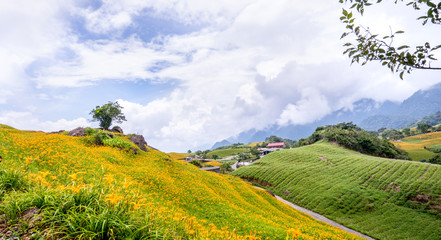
{"x": 83, "y": 191}
{"x": 178, "y": 156}
{"x": 383, "y": 198}
{"x": 415, "y": 145}
{"x": 223, "y": 153}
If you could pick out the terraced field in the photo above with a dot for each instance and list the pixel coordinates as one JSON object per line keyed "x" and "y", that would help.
{"x": 415, "y": 145}
{"x": 383, "y": 198}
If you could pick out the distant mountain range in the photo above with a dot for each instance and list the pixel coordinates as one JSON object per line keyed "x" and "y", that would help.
{"x": 367, "y": 114}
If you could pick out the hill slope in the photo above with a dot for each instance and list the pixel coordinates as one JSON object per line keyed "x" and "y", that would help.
{"x": 416, "y": 145}
{"x": 384, "y": 198}
{"x": 74, "y": 190}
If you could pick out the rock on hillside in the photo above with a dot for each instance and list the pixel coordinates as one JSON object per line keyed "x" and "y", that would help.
{"x": 78, "y": 132}
{"x": 139, "y": 141}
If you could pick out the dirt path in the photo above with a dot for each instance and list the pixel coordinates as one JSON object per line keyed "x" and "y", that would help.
{"x": 320, "y": 217}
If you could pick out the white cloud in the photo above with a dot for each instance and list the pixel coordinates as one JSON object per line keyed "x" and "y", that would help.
{"x": 247, "y": 64}
{"x": 126, "y": 60}
{"x": 28, "y": 121}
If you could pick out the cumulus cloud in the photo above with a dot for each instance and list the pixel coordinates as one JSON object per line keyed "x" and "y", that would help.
{"x": 243, "y": 65}
{"x": 28, "y": 121}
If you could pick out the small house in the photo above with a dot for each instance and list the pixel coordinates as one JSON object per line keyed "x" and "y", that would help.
{"x": 276, "y": 145}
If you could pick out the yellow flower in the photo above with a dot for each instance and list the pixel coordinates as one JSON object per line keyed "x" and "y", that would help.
{"x": 113, "y": 198}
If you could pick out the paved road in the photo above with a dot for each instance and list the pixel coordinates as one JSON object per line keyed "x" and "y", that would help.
{"x": 320, "y": 217}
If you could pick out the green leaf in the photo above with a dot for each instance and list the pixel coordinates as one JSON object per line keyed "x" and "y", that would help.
{"x": 401, "y": 75}
{"x": 403, "y": 47}
{"x": 345, "y": 13}
{"x": 399, "y": 32}
{"x": 431, "y": 4}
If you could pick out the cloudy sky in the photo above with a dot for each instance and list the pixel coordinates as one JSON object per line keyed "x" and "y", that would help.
{"x": 190, "y": 72}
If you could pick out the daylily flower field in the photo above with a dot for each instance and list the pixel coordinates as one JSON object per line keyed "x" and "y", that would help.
{"x": 86, "y": 191}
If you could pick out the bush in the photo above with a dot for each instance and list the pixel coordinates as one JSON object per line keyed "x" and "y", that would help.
{"x": 352, "y": 137}
{"x": 226, "y": 168}
{"x": 96, "y": 136}
{"x": 435, "y": 159}
{"x": 196, "y": 163}
{"x": 118, "y": 143}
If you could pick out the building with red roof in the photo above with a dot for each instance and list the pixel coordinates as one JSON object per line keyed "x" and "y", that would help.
{"x": 276, "y": 145}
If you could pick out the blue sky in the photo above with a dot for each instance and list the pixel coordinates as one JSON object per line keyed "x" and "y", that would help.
{"x": 189, "y": 73}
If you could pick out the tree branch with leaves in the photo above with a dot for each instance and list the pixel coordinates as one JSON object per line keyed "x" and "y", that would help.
{"x": 373, "y": 47}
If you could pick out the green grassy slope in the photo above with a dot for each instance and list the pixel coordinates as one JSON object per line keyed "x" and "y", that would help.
{"x": 223, "y": 153}
{"x": 384, "y": 198}
{"x": 83, "y": 191}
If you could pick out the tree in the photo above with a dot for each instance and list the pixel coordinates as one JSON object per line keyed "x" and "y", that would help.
{"x": 107, "y": 113}
{"x": 423, "y": 127}
{"x": 392, "y": 134}
{"x": 372, "y": 47}
{"x": 406, "y": 132}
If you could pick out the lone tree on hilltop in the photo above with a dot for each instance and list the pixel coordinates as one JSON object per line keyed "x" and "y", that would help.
{"x": 107, "y": 113}
{"x": 369, "y": 46}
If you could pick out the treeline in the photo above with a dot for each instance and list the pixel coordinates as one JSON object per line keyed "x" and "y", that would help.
{"x": 274, "y": 139}
{"x": 353, "y": 137}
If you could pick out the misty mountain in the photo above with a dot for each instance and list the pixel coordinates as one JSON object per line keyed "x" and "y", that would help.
{"x": 220, "y": 144}
{"x": 366, "y": 113}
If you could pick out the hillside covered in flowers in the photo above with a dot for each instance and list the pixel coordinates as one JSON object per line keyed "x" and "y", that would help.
{"x": 57, "y": 186}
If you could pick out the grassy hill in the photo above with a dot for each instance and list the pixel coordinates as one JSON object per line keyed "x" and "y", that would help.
{"x": 56, "y": 186}
{"x": 383, "y": 198}
{"x": 223, "y": 153}
{"x": 415, "y": 145}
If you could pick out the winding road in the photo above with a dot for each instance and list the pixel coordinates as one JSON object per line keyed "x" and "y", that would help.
{"x": 320, "y": 217}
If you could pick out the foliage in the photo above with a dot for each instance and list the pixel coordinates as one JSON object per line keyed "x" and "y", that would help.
{"x": 226, "y": 168}
{"x": 80, "y": 215}
{"x": 232, "y": 146}
{"x": 423, "y": 127}
{"x": 197, "y": 163}
{"x": 383, "y": 198}
{"x": 372, "y": 47}
{"x": 435, "y": 159}
{"x": 12, "y": 181}
{"x": 353, "y": 137}
{"x": 91, "y": 192}
{"x": 100, "y": 137}
{"x": 392, "y": 134}
{"x": 118, "y": 143}
{"x": 108, "y": 113}
{"x": 275, "y": 139}
{"x": 434, "y": 148}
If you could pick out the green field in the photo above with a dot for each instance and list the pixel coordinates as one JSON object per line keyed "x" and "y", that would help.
{"x": 416, "y": 145}
{"x": 223, "y": 153}
{"x": 383, "y": 198}
{"x": 54, "y": 186}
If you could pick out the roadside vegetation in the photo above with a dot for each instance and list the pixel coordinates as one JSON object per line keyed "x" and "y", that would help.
{"x": 380, "y": 197}
{"x": 54, "y": 186}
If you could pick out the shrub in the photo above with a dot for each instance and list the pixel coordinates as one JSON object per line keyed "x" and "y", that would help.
{"x": 118, "y": 143}
{"x": 196, "y": 163}
{"x": 226, "y": 168}
{"x": 435, "y": 159}
{"x": 352, "y": 137}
